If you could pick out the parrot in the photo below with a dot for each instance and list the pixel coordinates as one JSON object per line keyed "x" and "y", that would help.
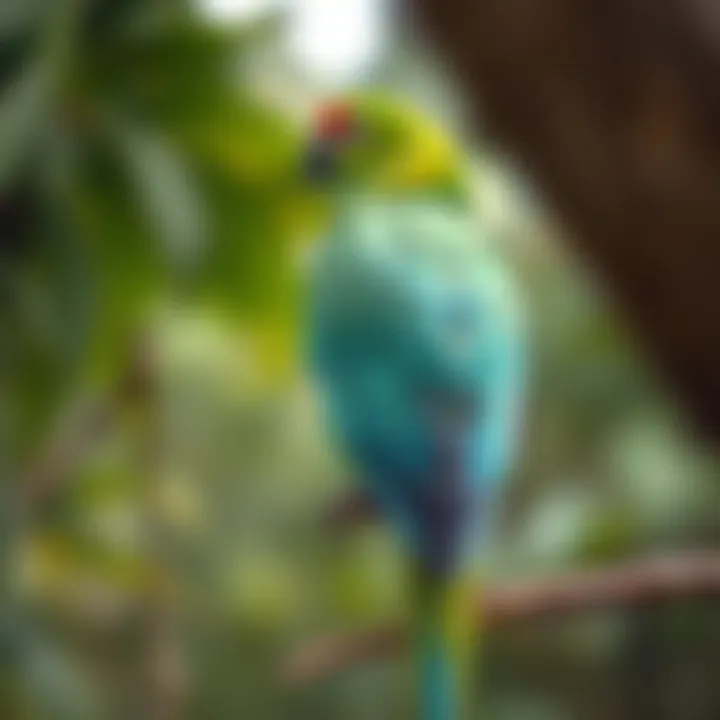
{"x": 416, "y": 341}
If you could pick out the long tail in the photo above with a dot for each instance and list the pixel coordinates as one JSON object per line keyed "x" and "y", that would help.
{"x": 445, "y": 635}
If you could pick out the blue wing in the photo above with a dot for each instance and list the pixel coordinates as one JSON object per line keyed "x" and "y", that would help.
{"x": 423, "y": 384}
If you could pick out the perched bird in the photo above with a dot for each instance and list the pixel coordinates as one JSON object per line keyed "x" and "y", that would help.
{"x": 417, "y": 343}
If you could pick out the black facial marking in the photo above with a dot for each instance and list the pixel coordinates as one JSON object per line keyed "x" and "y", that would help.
{"x": 320, "y": 162}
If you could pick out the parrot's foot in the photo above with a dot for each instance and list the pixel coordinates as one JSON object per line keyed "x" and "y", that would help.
{"x": 350, "y": 511}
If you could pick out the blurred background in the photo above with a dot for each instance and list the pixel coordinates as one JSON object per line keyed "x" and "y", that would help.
{"x": 163, "y": 470}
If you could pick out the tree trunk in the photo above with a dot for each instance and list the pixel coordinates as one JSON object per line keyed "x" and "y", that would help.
{"x": 613, "y": 109}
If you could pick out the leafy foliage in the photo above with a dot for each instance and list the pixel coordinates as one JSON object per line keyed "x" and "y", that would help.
{"x": 127, "y": 131}
{"x": 150, "y": 207}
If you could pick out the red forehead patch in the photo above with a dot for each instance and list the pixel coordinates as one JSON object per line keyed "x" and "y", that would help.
{"x": 335, "y": 120}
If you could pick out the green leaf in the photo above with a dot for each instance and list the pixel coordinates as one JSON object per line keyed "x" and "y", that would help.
{"x": 23, "y": 113}
{"x": 249, "y": 261}
{"x": 17, "y": 15}
{"x": 171, "y": 71}
{"x": 165, "y": 190}
{"x": 46, "y": 318}
{"x": 26, "y": 104}
{"x": 124, "y": 275}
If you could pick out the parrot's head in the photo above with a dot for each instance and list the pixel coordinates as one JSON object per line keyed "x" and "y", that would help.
{"x": 377, "y": 144}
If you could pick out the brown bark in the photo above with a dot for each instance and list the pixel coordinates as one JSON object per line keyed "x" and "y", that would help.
{"x": 613, "y": 109}
{"x": 631, "y": 584}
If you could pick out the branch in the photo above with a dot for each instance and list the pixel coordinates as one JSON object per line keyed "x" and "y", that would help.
{"x": 66, "y": 450}
{"x": 630, "y": 584}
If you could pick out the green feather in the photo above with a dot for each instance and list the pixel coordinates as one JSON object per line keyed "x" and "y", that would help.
{"x": 445, "y": 637}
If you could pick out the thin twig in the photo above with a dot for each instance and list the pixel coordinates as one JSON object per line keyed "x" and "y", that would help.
{"x": 65, "y": 453}
{"x": 79, "y": 434}
{"x": 630, "y": 584}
